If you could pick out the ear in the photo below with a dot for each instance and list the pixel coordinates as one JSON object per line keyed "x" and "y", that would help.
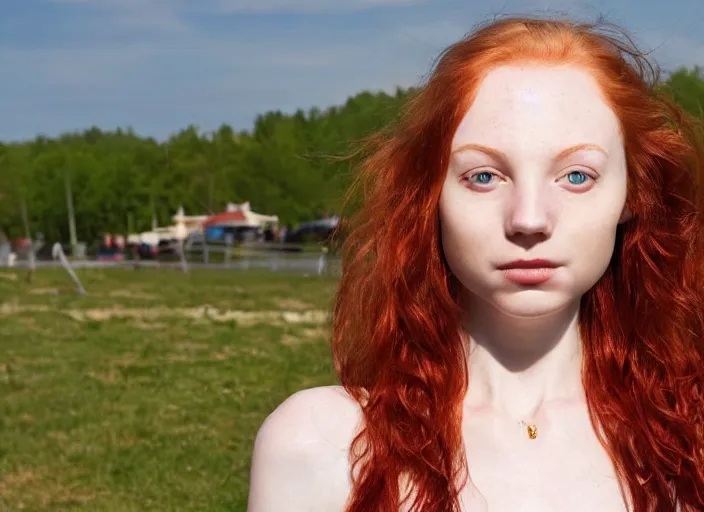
{"x": 626, "y": 215}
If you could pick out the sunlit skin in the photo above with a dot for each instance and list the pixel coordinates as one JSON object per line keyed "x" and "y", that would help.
{"x": 537, "y": 171}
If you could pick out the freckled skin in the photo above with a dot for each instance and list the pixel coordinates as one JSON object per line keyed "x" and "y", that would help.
{"x": 525, "y": 352}
{"x": 530, "y": 115}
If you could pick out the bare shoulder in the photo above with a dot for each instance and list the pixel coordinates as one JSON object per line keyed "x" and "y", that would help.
{"x": 300, "y": 457}
{"x": 310, "y": 413}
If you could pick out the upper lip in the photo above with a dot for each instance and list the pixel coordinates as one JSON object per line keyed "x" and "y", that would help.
{"x": 536, "y": 263}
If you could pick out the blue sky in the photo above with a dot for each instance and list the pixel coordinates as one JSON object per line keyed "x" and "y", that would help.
{"x": 159, "y": 65}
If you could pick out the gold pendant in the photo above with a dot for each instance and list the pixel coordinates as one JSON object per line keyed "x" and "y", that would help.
{"x": 532, "y": 431}
{"x": 531, "y": 428}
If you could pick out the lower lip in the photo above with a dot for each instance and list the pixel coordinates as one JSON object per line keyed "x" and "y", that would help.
{"x": 529, "y": 275}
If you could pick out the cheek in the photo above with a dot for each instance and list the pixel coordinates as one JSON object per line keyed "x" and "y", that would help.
{"x": 467, "y": 230}
{"x": 466, "y": 237}
{"x": 593, "y": 243}
{"x": 593, "y": 221}
{"x": 589, "y": 243}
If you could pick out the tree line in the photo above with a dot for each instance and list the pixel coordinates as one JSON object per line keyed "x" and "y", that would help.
{"x": 287, "y": 164}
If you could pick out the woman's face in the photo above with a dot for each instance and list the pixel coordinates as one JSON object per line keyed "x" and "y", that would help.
{"x": 535, "y": 189}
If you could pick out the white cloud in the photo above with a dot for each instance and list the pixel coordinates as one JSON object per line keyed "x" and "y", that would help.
{"x": 173, "y": 74}
{"x": 161, "y": 85}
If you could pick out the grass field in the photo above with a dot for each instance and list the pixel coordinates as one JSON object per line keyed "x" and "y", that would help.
{"x": 146, "y": 394}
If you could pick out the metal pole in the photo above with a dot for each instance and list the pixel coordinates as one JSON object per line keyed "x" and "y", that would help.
{"x": 71, "y": 218}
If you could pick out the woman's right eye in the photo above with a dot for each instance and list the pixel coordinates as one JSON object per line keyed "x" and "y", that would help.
{"x": 481, "y": 179}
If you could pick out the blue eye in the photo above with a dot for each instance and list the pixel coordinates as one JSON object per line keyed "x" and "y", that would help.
{"x": 577, "y": 178}
{"x": 483, "y": 178}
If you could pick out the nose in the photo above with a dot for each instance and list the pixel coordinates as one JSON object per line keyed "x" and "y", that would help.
{"x": 529, "y": 218}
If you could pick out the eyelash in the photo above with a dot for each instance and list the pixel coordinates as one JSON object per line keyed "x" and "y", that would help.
{"x": 588, "y": 177}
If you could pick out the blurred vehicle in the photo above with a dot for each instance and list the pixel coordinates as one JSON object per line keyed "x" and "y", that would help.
{"x": 317, "y": 231}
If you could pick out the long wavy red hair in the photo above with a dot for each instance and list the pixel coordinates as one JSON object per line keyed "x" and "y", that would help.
{"x": 397, "y": 343}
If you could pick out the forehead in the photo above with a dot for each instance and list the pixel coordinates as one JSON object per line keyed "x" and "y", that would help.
{"x": 538, "y": 106}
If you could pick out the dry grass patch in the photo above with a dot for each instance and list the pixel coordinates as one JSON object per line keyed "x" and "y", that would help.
{"x": 44, "y": 291}
{"x": 150, "y": 315}
{"x": 305, "y": 336}
{"x": 245, "y": 318}
{"x": 294, "y": 304}
{"x": 58, "y": 435}
{"x": 107, "y": 377}
{"x": 316, "y": 333}
{"x": 33, "y": 488}
{"x": 11, "y": 482}
{"x": 13, "y": 308}
{"x": 192, "y": 347}
{"x": 148, "y": 326}
{"x": 289, "y": 339}
{"x": 132, "y": 294}
{"x": 126, "y": 359}
{"x": 30, "y": 323}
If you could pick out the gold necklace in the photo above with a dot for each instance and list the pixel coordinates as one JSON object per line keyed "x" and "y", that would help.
{"x": 531, "y": 428}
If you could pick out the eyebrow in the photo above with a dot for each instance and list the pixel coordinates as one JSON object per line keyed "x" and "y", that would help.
{"x": 500, "y": 155}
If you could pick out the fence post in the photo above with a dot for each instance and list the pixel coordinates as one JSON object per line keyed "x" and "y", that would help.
{"x": 57, "y": 253}
{"x": 323, "y": 260}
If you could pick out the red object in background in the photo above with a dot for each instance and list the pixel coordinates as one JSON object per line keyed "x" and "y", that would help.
{"x": 225, "y": 218}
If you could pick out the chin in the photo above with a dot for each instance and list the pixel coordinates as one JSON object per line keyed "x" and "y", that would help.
{"x": 531, "y": 303}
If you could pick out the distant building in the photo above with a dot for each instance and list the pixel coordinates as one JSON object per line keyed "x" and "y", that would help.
{"x": 236, "y": 217}
{"x": 238, "y": 222}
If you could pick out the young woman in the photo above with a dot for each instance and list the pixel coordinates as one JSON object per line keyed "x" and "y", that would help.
{"x": 519, "y": 322}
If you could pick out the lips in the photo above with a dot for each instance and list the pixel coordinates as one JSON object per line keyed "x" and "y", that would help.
{"x": 528, "y": 264}
{"x": 528, "y": 272}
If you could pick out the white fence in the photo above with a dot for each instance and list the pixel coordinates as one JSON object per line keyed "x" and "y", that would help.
{"x": 241, "y": 257}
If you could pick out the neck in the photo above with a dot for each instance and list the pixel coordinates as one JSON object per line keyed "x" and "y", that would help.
{"x": 518, "y": 365}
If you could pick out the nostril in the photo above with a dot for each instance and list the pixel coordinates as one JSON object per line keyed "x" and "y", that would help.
{"x": 527, "y": 241}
